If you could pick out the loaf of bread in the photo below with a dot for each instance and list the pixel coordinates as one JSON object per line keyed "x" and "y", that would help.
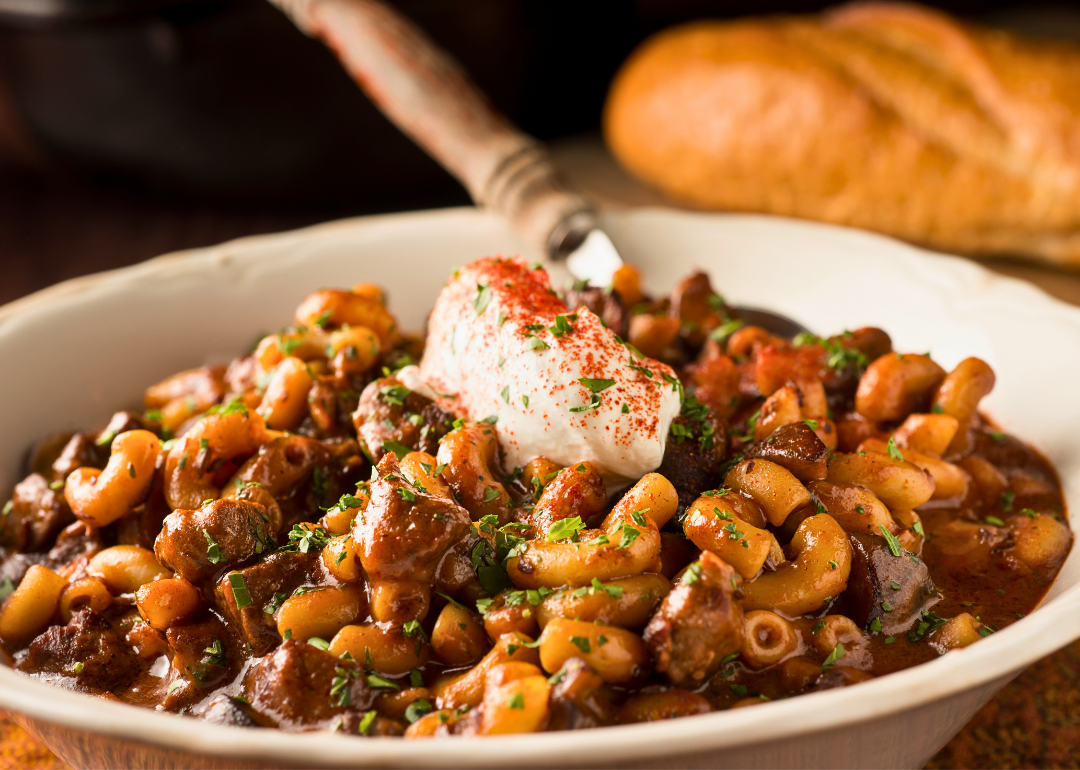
{"x": 885, "y": 116}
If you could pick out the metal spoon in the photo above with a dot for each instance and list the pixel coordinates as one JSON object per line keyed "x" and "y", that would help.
{"x": 428, "y": 95}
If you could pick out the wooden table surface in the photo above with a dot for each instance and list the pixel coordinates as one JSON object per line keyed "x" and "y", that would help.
{"x": 53, "y": 228}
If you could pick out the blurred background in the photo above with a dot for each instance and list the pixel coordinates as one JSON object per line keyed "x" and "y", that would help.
{"x": 129, "y": 128}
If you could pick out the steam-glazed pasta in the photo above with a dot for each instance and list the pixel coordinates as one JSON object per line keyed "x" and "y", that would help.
{"x": 314, "y": 537}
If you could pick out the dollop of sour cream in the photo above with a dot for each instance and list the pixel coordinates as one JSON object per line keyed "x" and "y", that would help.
{"x": 556, "y": 383}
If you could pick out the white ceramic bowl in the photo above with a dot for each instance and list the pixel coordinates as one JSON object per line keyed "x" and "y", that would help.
{"x": 76, "y": 352}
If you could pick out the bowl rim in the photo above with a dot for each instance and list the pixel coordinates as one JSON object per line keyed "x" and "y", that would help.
{"x": 1055, "y": 624}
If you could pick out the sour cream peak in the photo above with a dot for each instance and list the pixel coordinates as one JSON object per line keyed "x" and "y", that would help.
{"x": 502, "y": 346}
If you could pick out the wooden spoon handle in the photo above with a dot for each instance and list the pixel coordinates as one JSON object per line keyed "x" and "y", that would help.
{"x": 430, "y": 97}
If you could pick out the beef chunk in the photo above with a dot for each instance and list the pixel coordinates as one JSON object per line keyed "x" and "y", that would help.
{"x": 390, "y": 412}
{"x": 300, "y": 687}
{"x": 879, "y": 579}
{"x": 224, "y": 710}
{"x": 268, "y": 583}
{"x": 796, "y": 447}
{"x": 200, "y": 652}
{"x": 698, "y": 623}
{"x": 695, "y": 451}
{"x": 91, "y": 450}
{"x": 74, "y": 548}
{"x": 37, "y": 515}
{"x": 81, "y": 451}
{"x": 14, "y": 567}
{"x": 578, "y": 699}
{"x": 108, "y": 662}
{"x": 404, "y": 533}
{"x": 606, "y": 304}
{"x": 238, "y": 528}
{"x": 841, "y": 676}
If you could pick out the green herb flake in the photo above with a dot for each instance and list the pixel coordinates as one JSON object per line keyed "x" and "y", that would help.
{"x": 1007, "y": 500}
{"x": 564, "y": 528}
{"x": 213, "y": 552}
{"x": 894, "y": 451}
{"x": 239, "y": 590}
{"x": 582, "y": 643}
{"x": 894, "y": 545}
{"x": 368, "y": 721}
{"x": 378, "y": 682}
{"x": 995, "y": 521}
{"x": 837, "y": 652}
{"x": 483, "y": 298}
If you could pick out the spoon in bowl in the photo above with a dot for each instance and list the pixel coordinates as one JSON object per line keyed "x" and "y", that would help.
{"x": 427, "y": 95}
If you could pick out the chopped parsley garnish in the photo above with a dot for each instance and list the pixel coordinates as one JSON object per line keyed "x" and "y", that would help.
{"x": 692, "y": 574}
{"x": 275, "y": 602}
{"x": 894, "y": 545}
{"x": 78, "y": 668}
{"x": 505, "y": 393}
{"x": 239, "y": 590}
{"x": 581, "y": 642}
{"x": 6, "y": 587}
{"x": 839, "y": 357}
{"x": 483, "y": 298}
{"x": 376, "y": 681}
{"x": 997, "y": 436}
{"x": 399, "y": 449}
{"x": 629, "y": 535}
{"x": 564, "y": 528}
{"x": 394, "y": 395}
{"x": 562, "y": 324}
{"x": 406, "y": 494}
{"x": 930, "y": 622}
{"x": 837, "y": 652}
{"x": 1007, "y": 500}
{"x": 725, "y": 330}
{"x": 894, "y": 451}
{"x": 368, "y": 721}
{"x": 525, "y": 400}
{"x": 625, "y": 408}
{"x": 213, "y": 552}
{"x": 217, "y": 658}
{"x": 535, "y": 343}
{"x": 517, "y": 701}
{"x": 307, "y": 539}
{"x": 417, "y": 709}
{"x": 995, "y": 521}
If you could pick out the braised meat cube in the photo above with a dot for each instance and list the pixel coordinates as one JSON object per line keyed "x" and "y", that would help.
{"x": 268, "y": 584}
{"x": 300, "y": 687}
{"x": 607, "y": 304}
{"x": 695, "y": 451}
{"x": 578, "y": 699}
{"x": 796, "y": 447}
{"x": 87, "y": 654}
{"x": 698, "y": 623}
{"x": 894, "y": 590}
{"x": 200, "y": 654}
{"x": 400, "y": 539}
{"x": 218, "y": 536}
{"x": 37, "y": 515}
{"x": 225, "y": 710}
{"x": 391, "y": 414}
